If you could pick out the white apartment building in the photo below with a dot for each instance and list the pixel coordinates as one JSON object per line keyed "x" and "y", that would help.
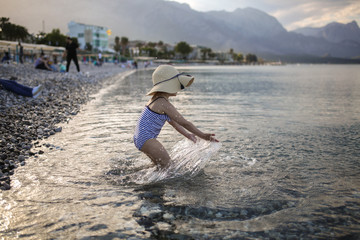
{"x": 95, "y": 35}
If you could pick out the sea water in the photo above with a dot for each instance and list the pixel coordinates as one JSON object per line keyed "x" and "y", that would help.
{"x": 187, "y": 159}
{"x": 287, "y": 165}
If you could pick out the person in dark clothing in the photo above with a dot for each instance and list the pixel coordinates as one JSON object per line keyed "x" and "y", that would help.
{"x": 21, "y": 53}
{"x": 71, "y": 54}
{"x": 6, "y": 58}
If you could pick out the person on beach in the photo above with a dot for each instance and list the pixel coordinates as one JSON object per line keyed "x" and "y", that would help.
{"x": 21, "y": 53}
{"x": 42, "y": 63}
{"x": 167, "y": 81}
{"x": 71, "y": 54}
{"x": 6, "y": 58}
{"x": 17, "y": 88}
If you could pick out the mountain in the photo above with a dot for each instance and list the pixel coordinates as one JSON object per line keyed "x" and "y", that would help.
{"x": 334, "y": 32}
{"x": 245, "y": 30}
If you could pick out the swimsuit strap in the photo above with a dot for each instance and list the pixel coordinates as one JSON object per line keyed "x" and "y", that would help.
{"x": 155, "y": 100}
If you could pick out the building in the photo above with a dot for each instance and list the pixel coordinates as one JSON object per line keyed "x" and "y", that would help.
{"x": 95, "y": 35}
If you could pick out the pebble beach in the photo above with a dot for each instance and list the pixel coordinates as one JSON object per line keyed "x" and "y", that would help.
{"x": 25, "y": 120}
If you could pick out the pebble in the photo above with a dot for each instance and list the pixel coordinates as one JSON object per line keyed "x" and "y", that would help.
{"x": 150, "y": 212}
{"x": 25, "y": 120}
{"x": 168, "y": 216}
{"x": 163, "y": 226}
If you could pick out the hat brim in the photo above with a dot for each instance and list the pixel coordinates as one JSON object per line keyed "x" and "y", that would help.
{"x": 173, "y": 85}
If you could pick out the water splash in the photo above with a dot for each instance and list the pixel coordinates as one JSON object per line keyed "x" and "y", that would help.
{"x": 188, "y": 159}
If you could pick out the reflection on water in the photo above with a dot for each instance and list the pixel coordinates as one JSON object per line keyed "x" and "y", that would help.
{"x": 288, "y": 166}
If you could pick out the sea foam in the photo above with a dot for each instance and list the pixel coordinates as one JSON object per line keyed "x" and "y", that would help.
{"x": 187, "y": 159}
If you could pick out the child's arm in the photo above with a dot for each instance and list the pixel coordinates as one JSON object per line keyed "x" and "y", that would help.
{"x": 182, "y": 130}
{"x": 174, "y": 115}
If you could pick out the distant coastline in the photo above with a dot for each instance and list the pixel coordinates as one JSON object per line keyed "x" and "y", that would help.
{"x": 312, "y": 59}
{"x": 275, "y": 61}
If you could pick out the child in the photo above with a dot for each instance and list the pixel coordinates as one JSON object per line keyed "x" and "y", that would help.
{"x": 167, "y": 81}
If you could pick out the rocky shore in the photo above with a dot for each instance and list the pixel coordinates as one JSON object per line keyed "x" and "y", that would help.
{"x": 24, "y": 120}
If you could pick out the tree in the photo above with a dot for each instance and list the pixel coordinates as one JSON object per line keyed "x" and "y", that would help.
{"x": 3, "y": 21}
{"x": 150, "y": 51}
{"x": 164, "y": 53}
{"x": 124, "y": 43}
{"x": 12, "y": 32}
{"x": 117, "y": 46}
{"x": 205, "y": 53}
{"x": 238, "y": 57}
{"x": 151, "y": 44}
{"x": 212, "y": 55}
{"x": 183, "y": 48}
{"x": 139, "y": 44}
{"x": 88, "y": 46}
{"x": 251, "y": 58}
{"x": 55, "y": 38}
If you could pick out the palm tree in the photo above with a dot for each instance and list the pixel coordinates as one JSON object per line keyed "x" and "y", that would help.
{"x": 124, "y": 43}
{"x": 183, "y": 48}
{"x": 205, "y": 53}
{"x": 117, "y": 46}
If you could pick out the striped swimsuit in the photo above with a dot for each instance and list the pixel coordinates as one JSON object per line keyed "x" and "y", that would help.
{"x": 149, "y": 125}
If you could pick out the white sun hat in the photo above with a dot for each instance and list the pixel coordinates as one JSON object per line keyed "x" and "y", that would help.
{"x": 167, "y": 79}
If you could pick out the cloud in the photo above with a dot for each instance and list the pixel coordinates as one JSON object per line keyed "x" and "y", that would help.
{"x": 206, "y": 5}
{"x": 318, "y": 13}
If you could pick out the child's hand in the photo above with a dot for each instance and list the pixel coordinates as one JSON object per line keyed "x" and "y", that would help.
{"x": 192, "y": 137}
{"x": 210, "y": 137}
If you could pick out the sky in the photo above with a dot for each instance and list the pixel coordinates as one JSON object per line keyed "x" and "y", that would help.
{"x": 37, "y": 15}
{"x": 291, "y": 14}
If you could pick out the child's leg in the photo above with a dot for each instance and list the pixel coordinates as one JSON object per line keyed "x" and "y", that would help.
{"x": 156, "y": 152}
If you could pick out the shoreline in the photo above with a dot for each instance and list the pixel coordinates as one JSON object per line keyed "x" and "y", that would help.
{"x": 25, "y": 120}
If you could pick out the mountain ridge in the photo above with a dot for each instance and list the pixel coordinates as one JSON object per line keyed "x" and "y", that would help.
{"x": 334, "y": 32}
{"x": 245, "y": 30}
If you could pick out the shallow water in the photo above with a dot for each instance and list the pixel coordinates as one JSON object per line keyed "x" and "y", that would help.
{"x": 288, "y": 166}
